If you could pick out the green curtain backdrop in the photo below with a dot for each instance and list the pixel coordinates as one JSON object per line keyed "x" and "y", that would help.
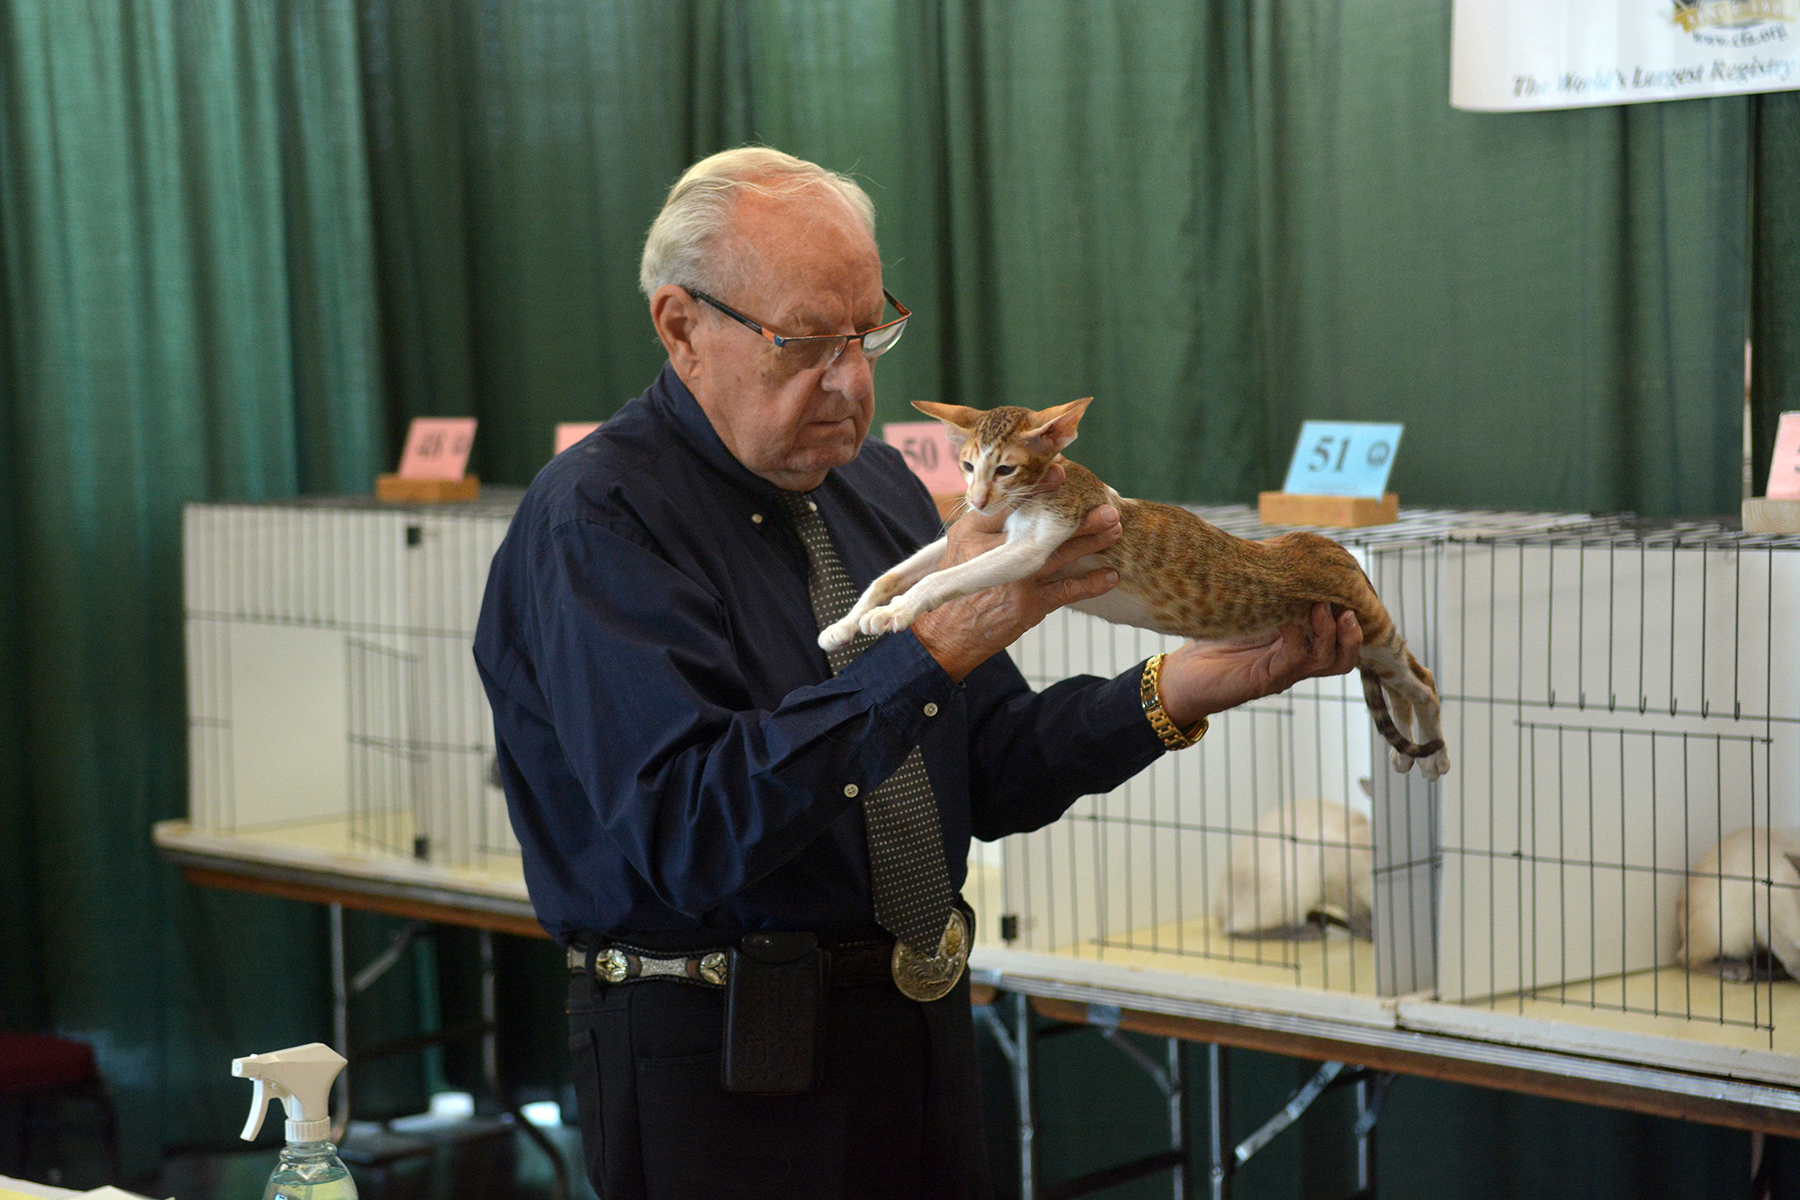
{"x": 241, "y": 244}
{"x": 189, "y": 309}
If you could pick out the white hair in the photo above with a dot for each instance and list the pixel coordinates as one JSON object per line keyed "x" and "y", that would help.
{"x": 685, "y": 244}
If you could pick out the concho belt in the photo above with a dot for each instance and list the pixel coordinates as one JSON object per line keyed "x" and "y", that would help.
{"x": 922, "y": 976}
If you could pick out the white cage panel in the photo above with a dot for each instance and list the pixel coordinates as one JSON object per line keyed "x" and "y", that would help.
{"x": 454, "y": 736}
{"x": 330, "y": 680}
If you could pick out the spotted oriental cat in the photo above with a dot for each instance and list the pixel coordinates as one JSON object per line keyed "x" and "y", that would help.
{"x": 1177, "y": 574}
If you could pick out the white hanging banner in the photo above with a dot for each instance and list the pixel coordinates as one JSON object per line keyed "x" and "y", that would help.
{"x": 1509, "y": 55}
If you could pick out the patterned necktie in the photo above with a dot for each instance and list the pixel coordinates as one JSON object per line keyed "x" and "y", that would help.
{"x": 906, "y": 848}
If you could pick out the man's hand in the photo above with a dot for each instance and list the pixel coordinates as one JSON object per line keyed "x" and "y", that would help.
{"x": 964, "y": 633}
{"x": 1203, "y": 678}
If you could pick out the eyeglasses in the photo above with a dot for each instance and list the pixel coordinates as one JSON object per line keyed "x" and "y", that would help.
{"x": 822, "y": 350}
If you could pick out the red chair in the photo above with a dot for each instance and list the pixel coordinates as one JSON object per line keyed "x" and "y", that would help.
{"x": 38, "y": 1072}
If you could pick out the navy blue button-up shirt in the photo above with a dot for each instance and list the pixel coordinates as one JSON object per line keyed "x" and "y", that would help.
{"x": 677, "y": 755}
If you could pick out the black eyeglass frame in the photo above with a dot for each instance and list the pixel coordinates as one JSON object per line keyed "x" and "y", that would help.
{"x": 776, "y": 340}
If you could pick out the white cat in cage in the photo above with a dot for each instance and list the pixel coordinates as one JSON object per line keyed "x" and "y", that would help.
{"x": 1306, "y": 864}
{"x": 1742, "y": 897}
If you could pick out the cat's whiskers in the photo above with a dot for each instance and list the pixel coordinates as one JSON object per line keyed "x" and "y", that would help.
{"x": 956, "y": 513}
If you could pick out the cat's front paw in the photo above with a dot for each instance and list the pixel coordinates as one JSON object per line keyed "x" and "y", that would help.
{"x": 889, "y": 618}
{"x": 837, "y": 635}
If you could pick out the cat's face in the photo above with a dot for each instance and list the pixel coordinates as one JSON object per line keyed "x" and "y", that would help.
{"x": 1004, "y": 452}
{"x": 999, "y": 467}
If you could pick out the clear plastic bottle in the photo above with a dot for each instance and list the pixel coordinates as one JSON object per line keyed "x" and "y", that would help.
{"x": 301, "y": 1078}
{"x": 310, "y": 1171}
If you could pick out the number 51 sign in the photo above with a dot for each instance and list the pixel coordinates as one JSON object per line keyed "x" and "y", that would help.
{"x": 1343, "y": 458}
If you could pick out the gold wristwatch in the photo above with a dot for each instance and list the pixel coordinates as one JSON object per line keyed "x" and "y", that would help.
{"x": 1150, "y": 692}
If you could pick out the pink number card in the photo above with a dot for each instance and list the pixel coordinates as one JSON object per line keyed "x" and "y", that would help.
{"x": 570, "y": 432}
{"x": 928, "y": 452}
{"x": 437, "y": 448}
{"x": 1784, "y": 467}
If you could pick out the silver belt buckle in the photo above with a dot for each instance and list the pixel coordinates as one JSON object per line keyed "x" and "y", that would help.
{"x": 926, "y": 977}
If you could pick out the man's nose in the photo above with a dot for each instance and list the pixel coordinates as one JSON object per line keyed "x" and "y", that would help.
{"x": 850, "y": 372}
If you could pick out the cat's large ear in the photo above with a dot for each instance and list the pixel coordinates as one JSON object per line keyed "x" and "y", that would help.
{"x": 1056, "y": 426}
{"x": 957, "y": 419}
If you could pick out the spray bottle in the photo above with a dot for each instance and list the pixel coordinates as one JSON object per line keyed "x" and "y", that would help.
{"x": 310, "y": 1168}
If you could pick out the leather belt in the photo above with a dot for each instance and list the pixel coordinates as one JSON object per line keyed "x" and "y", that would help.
{"x": 853, "y": 964}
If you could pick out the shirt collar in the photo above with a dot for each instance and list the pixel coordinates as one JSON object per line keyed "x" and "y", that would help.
{"x": 670, "y": 398}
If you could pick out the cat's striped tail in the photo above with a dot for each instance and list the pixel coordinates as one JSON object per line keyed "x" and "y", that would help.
{"x": 1376, "y": 698}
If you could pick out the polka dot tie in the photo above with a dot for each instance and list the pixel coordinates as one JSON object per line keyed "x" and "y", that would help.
{"x": 906, "y": 847}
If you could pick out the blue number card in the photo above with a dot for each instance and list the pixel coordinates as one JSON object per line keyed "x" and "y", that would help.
{"x": 1343, "y": 458}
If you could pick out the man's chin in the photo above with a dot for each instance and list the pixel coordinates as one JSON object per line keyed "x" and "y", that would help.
{"x": 829, "y": 450}
{"x": 804, "y": 468}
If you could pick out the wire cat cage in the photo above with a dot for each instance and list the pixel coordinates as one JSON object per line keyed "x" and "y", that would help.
{"x": 1620, "y": 697}
{"x": 1625, "y": 697}
{"x": 331, "y": 694}
{"x": 1284, "y": 850}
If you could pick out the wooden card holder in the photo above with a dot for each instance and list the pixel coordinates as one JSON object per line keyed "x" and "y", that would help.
{"x": 1765, "y": 515}
{"x": 426, "y": 491}
{"x": 1335, "y": 512}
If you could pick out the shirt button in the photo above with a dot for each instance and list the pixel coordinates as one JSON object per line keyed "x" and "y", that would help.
{"x": 756, "y": 518}
{"x": 931, "y": 708}
{"x": 850, "y": 790}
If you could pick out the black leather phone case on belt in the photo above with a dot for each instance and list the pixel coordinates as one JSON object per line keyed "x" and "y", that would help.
{"x": 773, "y": 1019}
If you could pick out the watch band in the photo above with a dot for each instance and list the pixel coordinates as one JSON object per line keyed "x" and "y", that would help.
{"x": 1150, "y": 692}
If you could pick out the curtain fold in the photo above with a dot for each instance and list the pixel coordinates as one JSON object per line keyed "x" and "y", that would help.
{"x": 188, "y": 315}
{"x": 1552, "y": 302}
{"x": 241, "y": 245}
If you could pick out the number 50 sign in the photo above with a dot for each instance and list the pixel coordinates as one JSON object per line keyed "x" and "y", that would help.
{"x": 928, "y": 452}
{"x": 1343, "y": 458}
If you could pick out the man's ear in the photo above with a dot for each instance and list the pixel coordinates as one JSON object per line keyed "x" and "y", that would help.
{"x": 1056, "y": 426}
{"x": 676, "y": 316}
{"x": 957, "y": 419}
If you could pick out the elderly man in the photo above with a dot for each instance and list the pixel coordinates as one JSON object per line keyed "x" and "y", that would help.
{"x": 750, "y": 849}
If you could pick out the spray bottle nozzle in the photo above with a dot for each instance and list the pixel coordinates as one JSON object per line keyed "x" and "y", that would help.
{"x": 301, "y": 1077}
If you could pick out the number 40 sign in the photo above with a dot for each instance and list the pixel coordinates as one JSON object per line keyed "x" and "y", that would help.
{"x": 1343, "y": 458}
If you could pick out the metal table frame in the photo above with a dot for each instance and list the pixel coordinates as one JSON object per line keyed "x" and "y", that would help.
{"x": 1366, "y": 1056}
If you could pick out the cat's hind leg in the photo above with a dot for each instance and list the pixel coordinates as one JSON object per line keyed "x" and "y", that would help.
{"x": 1400, "y": 708}
{"x": 1428, "y": 717}
{"x": 891, "y": 583}
{"x": 1402, "y": 696}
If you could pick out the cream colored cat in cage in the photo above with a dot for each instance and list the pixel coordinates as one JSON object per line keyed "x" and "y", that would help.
{"x": 1742, "y": 897}
{"x": 1307, "y": 864}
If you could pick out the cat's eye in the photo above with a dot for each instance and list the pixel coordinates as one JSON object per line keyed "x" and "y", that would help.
{"x": 1008, "y": 469}
{"x": 967, "y": 467}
